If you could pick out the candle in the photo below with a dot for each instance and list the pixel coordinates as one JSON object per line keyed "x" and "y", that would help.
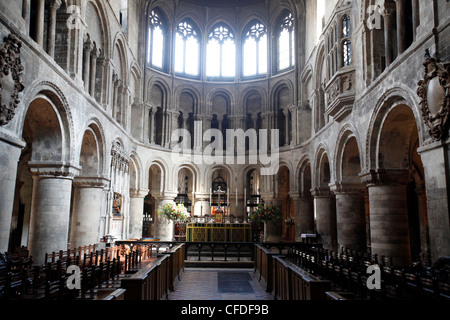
{"x": 236, "y": 198}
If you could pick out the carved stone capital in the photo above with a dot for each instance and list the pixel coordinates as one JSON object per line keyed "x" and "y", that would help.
{"x": 321, "y": 192}
{"x": 346, "y": 188}
{"x": 53, "y": 169}
{"x": 138, "y": 193}
{"x": 384, "y": 177}
{"x": 90, "y": 182}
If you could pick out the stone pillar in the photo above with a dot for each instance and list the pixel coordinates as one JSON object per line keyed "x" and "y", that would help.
{"x": 50, "y": 209}
{"x": 389, "y": 228}
{"x": 87, "y": 48}
{"x": 401, "y": 26}
{"x": 54, "y": 6}
{"x": 350, "y": 216}
{"x": 388, "y": 11}
{"x": 325, "y": 212}
{"x": 93, "y": 72}
{"x": 40, "y": 22}
{"x": 163, "y": 229}
{"x": 415, "y": 17}
{"x": 9, "y": 156}
{"x": 435, "y": 159}
{"x": 86, "y": 211}
{"x": 152, "y": 124}
{"x": 304, "y": 218}
{"x": 136, "y": 213}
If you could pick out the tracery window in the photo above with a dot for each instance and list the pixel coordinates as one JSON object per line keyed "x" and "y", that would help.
{"x": 346, "y": 43}
{"x": 156, "y": 40}
{"x": 254, "y": 50}
{"x": 187, "y": 49}
{"x": 221, "y": 52}
{"x": 286, "y": 43}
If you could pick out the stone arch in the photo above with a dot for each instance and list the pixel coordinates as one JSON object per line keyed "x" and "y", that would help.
{"x": 51, "y": 95}
{"x": 387, "y": 102}
{"x": 395, "y": 181}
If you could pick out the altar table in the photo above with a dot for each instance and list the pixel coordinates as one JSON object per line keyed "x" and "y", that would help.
{"x": 218, "y": 232}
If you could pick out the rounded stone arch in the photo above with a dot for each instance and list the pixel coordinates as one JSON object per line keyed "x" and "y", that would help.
{"x": 119, "y": 55}
{"x": 193, "y": 172}
{"x": 389, "y": 100}
{"x": 319, "y": 64}
{"x": 94, "y": 133}
{"x": 227, "y": 169}
{"x": 277, "y": 89}
{"x": 136, "y": 174}
{"x": 54, "y": 96}
{"x": 343, "y": 158}
{"x": 300, "y": 175}
{"x": 135, "y": 80}
{"x": 322, "y": 168}
{"x": 254, "y": 90}
{"x": 225, "y": 93}
{"x": 159, "y": 167}
{"x": 163, "y": 86}
{"x": 105, "y": 30}
{"x": 193, "y": 92}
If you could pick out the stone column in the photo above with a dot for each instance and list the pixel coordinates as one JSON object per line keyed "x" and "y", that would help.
{"x": 325, "y": 212}
{"x": 152, "y": 124}
{"x": 198, "y": 134}
{"x": 136, "y": 213}
{"x": 415, "y": 17}
{"x": 388, "y": 10}
{"x": 401, "y": 26}
{"x": 163, "y": 228}
{"x": 50, "y": 209}
{"x": 9, "y": 156}
{"x": 435, "y": 159}
{"x": 304, "y": 218}
{"x": 87, "y": 48}
{"x": 40, "y": 22}
{"x": 93, "y": 72}
{"x": 54, "y": 6}
{"x": 286, "y": 124}
{"x": 350, "y": 216}
{"x": 86, "y": 211}
{"x": 389, "y": 228}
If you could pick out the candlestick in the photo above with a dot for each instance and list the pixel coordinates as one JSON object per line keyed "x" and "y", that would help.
{"x": 236, "y": 199}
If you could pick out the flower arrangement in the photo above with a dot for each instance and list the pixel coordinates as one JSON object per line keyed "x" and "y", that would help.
{"x": 265, "y": 213}
{"x": 174, "y": 212}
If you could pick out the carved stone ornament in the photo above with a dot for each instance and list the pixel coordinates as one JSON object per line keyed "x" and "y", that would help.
{"x": 11, "y": 69}
{"x": 435, "y": 94}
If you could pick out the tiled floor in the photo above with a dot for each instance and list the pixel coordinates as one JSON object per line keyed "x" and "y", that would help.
{"x": 219, "y": 284}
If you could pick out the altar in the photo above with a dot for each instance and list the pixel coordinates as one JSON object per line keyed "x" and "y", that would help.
{"x": 218, "y": 232}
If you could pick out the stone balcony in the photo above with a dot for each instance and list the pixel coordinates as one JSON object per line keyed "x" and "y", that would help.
{"x": 340, "y": 94}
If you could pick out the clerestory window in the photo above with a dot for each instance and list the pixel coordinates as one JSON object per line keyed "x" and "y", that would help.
{"x": 221, "y": 52}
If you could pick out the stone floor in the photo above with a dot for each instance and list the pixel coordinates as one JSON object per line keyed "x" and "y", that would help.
{"x": 219, "y": 284}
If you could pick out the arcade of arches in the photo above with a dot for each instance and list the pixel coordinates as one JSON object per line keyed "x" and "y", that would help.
{"x": 94, "y": 94}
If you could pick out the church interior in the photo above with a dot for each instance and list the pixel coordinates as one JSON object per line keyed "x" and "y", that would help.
{"x": 303, "y": 140}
